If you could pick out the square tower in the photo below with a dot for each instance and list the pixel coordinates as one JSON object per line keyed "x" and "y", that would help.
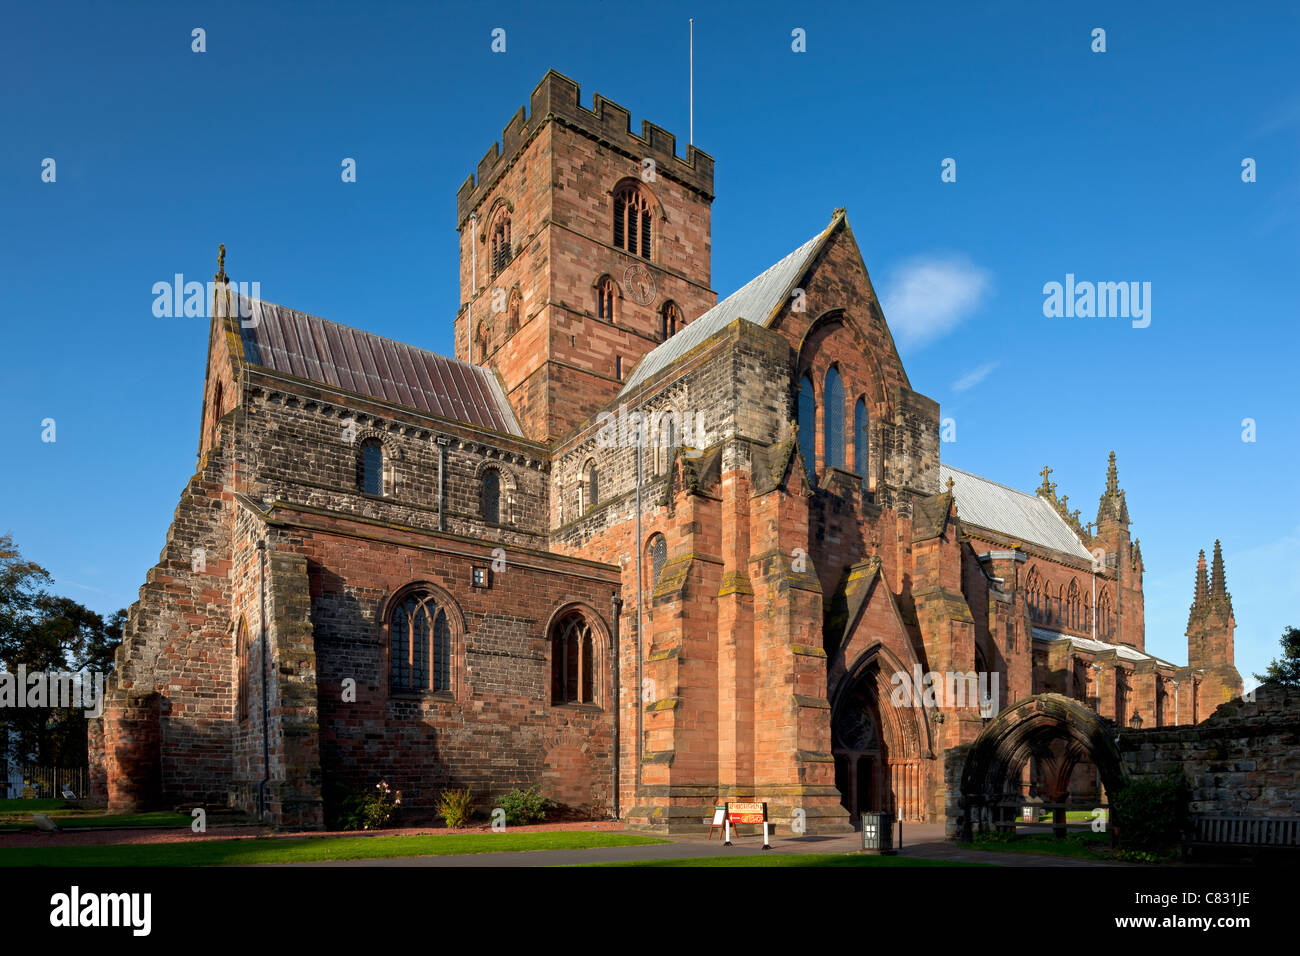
{"x": 582, "y": 247}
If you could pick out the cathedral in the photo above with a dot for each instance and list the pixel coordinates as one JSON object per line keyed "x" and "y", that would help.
{"x": 641, "y": 548}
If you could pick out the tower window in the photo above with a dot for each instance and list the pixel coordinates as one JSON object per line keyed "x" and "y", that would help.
{"x": 500, "y": 245}
{"x": 632, "y": 221}
{"x": 605, "y": 298}
{"x": 670, "y": 320}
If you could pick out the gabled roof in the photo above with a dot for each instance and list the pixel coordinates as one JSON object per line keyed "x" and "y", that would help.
{"x": 1017, "y": 514}
{"x": 316, "y": 349}
{"x": 756, "y": 301}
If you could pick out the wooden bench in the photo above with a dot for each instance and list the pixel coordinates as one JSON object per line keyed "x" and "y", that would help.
{"x": 1254, "y": 833}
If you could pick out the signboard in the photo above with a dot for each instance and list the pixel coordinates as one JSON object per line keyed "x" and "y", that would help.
{"x": 734, "y": 813}
{"x": 719, "y": 815}
{"x": 747, "y": 812}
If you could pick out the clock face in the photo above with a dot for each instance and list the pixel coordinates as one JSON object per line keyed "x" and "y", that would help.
{"x": 640, "y": 285}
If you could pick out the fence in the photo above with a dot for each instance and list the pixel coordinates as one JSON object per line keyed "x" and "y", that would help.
{"x": 47, "y": 782}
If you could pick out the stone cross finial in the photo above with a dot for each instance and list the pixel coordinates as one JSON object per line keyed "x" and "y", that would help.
{"x": 950, "y": 484}
{"x": 221, "y": 263}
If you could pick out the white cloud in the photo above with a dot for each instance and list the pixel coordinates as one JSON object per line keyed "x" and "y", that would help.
{"x": 929, "y": 296}
{"x": 974, "y": 377}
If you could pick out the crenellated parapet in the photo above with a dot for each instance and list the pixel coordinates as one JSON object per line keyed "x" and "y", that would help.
{"x": 556, "y": 98}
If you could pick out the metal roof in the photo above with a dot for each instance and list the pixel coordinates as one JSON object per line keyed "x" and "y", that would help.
{"x": 313, "y": 348}
{"x": 1008, "y": 511}
{"x": 1097, "y": 647}
{"x": 755, "y": 301}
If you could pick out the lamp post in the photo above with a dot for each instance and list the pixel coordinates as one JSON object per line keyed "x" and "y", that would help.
{"x": 1135, "y": 721}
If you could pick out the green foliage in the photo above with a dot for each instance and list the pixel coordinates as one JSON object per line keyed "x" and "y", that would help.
{"x": 525, "y": 806}
{"x": 47, "y": 633}
{"x": 1136, "y": 856}
{"x": 456, "y": 807}
{"x": 364, "y": 809}
{"x": 1152, "y": 814}
{"x": 1285, "y": 669}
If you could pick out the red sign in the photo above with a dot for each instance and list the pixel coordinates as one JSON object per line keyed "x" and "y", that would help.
{"x": 747, "y": 812}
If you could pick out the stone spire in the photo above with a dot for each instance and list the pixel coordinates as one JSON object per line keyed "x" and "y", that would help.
{"x": 1202, "y": 582}
{"x": 1112, "y": 506}
{"x": 1218, "y": 589}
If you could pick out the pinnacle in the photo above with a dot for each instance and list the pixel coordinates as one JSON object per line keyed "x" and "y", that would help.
{"x": 1218, "y": 587}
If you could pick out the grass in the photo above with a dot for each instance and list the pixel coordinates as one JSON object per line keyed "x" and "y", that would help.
{"x": 790, "y": 859}
{"x": 310, "y": 850}
{"x": 16, "y": 816}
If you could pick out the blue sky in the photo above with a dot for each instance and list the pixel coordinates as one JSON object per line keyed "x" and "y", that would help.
{"x": 1115, "y": 166}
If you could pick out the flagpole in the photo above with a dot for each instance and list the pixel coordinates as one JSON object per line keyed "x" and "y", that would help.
{"x": 692, "y": 83}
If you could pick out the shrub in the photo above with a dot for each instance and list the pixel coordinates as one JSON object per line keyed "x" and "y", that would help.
{"x": 365, "y": 810}
{"x": 1152, "y": 815}
{"x": 456, "y": 807}
{"x": 525, "y": 806}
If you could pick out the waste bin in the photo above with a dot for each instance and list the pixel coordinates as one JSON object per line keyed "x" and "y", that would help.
{"x": 877, "y": 832}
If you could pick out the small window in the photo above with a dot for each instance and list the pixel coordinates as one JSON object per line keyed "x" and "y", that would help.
{"x": 372, "y": 467}
{"x": 658, "y": 550}
{"x": 618, "y": 367}
{"x": 481, "y": 578}
{"x": 492, "y": 496}
{"x": 591, "y": 482}
{"x": 573, "y": 649}
{"x": 420, "y": 643}
{"x": 605, "y": 298}
{"x": 632, "y": 221}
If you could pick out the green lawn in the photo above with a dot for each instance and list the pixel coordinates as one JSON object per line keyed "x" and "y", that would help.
{"x": 16, "y": 815}
{"x": 790, "y": 859}
{"x": 308, "y": 850}
{"x": 31, "y": 806}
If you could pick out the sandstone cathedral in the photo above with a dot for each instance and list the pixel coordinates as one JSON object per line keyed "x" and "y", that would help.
{"x": 641, "y": 548}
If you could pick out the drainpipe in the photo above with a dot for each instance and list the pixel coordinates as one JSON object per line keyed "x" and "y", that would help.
{"x": 266, "y": 727}
{"x": 616, "y": 609}
{"x": 639, "y": 679}
{"x": 442, "y": 480}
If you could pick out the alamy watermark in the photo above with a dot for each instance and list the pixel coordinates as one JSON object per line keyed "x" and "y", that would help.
{"x": 667, "y": 429}
{"x": 58, "y": 689}
{"x": 1102, "y": 300}
{"x": 948, "y": 689}
{"x": 180, "y": 299}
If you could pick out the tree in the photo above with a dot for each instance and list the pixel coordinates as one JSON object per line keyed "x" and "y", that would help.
{"x": 1285, "y": 669}
{"x": 46, "y": 633}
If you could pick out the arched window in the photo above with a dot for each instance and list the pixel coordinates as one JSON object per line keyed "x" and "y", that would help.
{"x": 861, "y": 447}
{"x": 833, "y": 403}
{"x": 590, "y": 486}
{"x": 512, "y": 312}
{"x": 670, "y": 320}
{"x": 372, "y": 467}
{"x": 605, "y": 295}
{"x": 500, "y": 242}
{"x": 808, "y": 427}
{"x": 573, "y": 668}
{"x": 1105, "y": 625}
{"x": 420, "y": 644}
{"x": 667, "y": 441}
{"x": 492, "y": 496}
{"x": 1034, "y": 595}
{"x": 1073, "y": 619}
{"x": 241, "y": 671}
{"x": 657, "y": 551}
{"x": 482, "y": 339}
{"x": 632, "y": 220}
